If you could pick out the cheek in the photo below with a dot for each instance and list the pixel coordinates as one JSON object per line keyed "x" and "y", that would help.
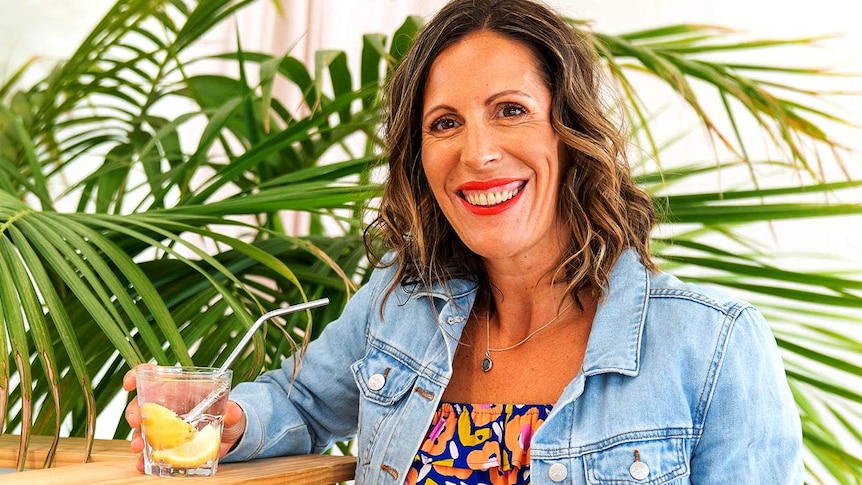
{"x": 435, "y": 171}
{"x": 434, "y": 180}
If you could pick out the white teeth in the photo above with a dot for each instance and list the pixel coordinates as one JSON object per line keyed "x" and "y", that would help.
{"x": 491, "y": 198}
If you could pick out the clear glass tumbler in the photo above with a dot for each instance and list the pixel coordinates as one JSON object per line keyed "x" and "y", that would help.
{"x": 172, "y": 446}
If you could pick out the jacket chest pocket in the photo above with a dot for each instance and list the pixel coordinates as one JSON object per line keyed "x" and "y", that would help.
{"x": 383, "y": 381}
{"x": 382, "y": 378}
{"x": 644, "y": 462}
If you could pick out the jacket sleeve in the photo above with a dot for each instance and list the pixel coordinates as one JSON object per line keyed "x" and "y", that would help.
{"x": 287, "y": 416}
{"x": 751, "y": 429}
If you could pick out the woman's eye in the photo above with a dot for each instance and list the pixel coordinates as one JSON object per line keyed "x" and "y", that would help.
{"x": 443, "y": 124}
{"x": 510, "y": 109}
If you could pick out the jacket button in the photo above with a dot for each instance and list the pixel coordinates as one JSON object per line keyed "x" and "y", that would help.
{"x": 376, "y": 382}
{"x": 557, "y": 472}
{"x": 639, "y": 470}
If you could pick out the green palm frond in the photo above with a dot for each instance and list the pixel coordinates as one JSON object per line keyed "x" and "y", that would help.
{"x": 685, "y": 58}
{"x": 124, "y": 241}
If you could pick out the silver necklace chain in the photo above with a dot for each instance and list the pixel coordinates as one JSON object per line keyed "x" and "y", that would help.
{"x": 487, "y": 363}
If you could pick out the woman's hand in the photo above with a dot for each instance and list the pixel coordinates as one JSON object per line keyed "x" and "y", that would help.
{"x": 234, "y": 422}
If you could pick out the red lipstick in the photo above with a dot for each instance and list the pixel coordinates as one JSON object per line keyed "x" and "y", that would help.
{"x": 483, "y": 186}
{"x": 486, "y": 184}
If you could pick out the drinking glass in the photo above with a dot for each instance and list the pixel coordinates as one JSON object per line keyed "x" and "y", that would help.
{"x": 174, "y": 445}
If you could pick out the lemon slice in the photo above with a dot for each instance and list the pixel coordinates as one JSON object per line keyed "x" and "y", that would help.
{"x": 194, "y": 453}
{"x": 163, "y": 428}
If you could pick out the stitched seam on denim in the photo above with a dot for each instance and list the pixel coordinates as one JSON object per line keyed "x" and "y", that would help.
{"x": 383, "y": 399}
{"x": 360, "y": 438}
{"x": 630, "y": 371}
{"x": 408, "y": 361}
{"x": 679, "y": 471}
{"x": 642, "y": 321}
{"x": 718, "y": 354}
{"x": 280, "y": 437}
{"x": 372, "y": 436}
{"x": 732, "y": 307}
{"x": 414, "y": 292}
{"x": 540, "y": 452}
{"x": 715, "y": 369}
{"x": 259, "y": 447}
{"x": 634, "y": 436}
{"x": 421, "y": 368}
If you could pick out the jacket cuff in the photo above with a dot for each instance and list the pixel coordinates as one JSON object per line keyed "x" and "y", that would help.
{"x": 251, "y": 442}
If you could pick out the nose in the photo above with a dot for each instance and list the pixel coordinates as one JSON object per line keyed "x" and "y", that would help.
{"x": 480, "y": 146}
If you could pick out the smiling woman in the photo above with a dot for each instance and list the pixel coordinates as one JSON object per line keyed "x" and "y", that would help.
{"x": 516, "y": 329}
{"x": 637, "y": 371}
{"x": 489, "y": 149}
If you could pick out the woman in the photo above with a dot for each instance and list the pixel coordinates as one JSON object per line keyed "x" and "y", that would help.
{"x": 517, "y": 330}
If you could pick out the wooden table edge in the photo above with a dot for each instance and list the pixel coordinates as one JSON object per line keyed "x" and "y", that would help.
{"x": 115, "y": 463}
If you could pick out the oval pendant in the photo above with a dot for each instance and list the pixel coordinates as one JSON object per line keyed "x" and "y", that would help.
{"x": 486, "y": 363}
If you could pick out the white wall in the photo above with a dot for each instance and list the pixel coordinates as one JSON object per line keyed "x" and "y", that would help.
{"x": 47, "y": 29}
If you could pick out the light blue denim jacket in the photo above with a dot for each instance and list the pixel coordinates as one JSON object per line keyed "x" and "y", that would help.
{"x": 684, "y": 378}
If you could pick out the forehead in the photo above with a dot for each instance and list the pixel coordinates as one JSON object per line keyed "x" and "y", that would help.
{"x": 484, "y": 59}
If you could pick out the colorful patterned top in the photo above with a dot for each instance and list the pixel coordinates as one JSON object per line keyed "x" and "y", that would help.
{"x": 478, "y": 444}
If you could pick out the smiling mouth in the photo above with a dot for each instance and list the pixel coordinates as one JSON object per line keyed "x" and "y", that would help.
{"x": 493, "y": 196}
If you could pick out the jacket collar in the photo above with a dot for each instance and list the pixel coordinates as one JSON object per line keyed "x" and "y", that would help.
{"x": 454, "y": 289}
{"x": 615, "y": 339}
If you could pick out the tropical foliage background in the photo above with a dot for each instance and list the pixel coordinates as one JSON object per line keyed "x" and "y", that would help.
{"x": 143, "y": 201}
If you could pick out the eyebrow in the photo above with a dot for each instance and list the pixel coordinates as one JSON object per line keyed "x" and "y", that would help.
{"x": 488, "y": 101}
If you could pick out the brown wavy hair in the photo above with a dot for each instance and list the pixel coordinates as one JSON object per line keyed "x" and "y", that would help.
{"x": 598, "y": 201}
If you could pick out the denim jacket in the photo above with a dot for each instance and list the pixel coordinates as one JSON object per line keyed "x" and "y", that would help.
{"x": 679, "y": 384}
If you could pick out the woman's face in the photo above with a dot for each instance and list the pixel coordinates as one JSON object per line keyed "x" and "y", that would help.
{"x": 489, "y": 151}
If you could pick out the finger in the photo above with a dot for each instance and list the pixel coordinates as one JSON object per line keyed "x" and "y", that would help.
{"x": 133, "y": 414}
{"x": 137, "y": 442}
{"x": 130, "y": 380}
{"x": 234, "y": 423}
{"x": 140, "y": 464}
{"x": 234, "y": 427}
{"x": 233, "y": 414}
{"x": 223, "y": 448}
